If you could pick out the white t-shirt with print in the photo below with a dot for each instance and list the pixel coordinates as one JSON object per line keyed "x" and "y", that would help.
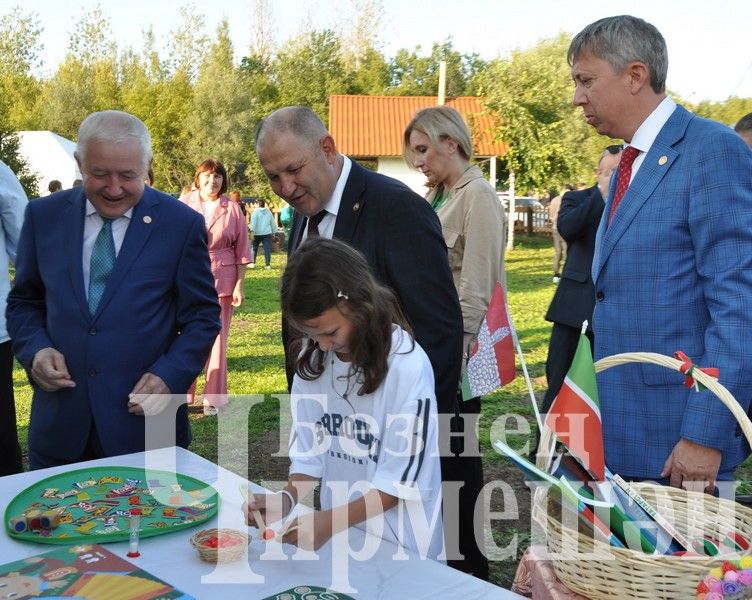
{"x": 385, "y": 440}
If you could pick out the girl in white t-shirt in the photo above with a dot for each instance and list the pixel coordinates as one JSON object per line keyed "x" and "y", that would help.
{"x": 363, "y": 408}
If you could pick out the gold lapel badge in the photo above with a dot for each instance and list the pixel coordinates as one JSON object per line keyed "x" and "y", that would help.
{"x": 663, "y": 160}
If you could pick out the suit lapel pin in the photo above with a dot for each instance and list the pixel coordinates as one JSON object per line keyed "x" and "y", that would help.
{"x": 663, "y": 160}
{"x": 356, "y": 207}
{"x": 147, "y": 219}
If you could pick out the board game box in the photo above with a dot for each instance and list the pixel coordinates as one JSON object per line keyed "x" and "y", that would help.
{"x": 89, "y": 572}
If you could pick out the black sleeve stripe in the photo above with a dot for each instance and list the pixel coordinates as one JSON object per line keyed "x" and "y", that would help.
{"x": 412, "y": 450}
{"x": 423, "y": 408}
{"x": 426, "y": 416}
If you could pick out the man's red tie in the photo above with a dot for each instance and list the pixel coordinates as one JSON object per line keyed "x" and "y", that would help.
{"x": 622, "y": 179}
{"x": 313, "y": 223}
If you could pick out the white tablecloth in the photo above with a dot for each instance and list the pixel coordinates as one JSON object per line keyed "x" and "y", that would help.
{"x": 269, "y": 568}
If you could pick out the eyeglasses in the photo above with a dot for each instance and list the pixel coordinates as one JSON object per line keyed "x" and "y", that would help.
{"x": 614, "y": 148}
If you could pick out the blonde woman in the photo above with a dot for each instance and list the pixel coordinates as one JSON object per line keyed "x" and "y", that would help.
{"x": 437, "y": 143}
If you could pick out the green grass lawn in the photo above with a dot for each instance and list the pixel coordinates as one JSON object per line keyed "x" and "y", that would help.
{"x": 256, "y": 363}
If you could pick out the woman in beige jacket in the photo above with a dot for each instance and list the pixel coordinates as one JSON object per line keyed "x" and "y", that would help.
{"x": 437, "y": 142}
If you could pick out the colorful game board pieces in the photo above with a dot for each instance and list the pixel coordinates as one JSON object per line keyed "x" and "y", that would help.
{"x": 51, "y": 518}
{"x": 18, "y": 524}
{"x": 94, "y": 505}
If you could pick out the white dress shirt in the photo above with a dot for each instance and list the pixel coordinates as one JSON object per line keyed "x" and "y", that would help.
{"x": 647, "y": 132}
{"x": 326, "y": 226}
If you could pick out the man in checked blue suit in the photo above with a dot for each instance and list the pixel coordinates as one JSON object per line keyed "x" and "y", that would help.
{"x": 673, "y": 267}
{"x": 113, "y": 308}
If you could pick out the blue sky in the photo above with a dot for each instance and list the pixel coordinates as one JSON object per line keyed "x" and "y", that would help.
{"x": 710, "y": 44}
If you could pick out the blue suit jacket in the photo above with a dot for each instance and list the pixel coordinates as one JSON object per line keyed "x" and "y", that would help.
{"x": 672, "y": 272}
{"x": 159, "y": 313}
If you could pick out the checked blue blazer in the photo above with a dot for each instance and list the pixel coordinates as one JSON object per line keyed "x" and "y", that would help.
{"x": 672, "y": 272}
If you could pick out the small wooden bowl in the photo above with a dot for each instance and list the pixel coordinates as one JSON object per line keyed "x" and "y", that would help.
{"x": 231, "y": 544}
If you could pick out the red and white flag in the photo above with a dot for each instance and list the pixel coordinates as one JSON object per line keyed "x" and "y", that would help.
{"x": 491, "y": 364}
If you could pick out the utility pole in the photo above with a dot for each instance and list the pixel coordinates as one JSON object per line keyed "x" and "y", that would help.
{"x": 442, "y": 82}
{"x": 510, "y": 223}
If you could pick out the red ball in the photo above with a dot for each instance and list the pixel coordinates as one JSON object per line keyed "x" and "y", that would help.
{"x": 727, "y": 566}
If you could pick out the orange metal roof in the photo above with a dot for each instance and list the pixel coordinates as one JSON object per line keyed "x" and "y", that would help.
{"x": 365, "y": 126}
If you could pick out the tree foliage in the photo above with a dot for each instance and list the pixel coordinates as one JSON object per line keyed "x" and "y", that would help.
{"x": 549, "y": 143}
{"x": 309, "y": 70}
{"x": 221, "y": 116}
{"x": 203, "y": 98}
{"x": 19, "y": 47}
{"x": 728, "y": 112}
{"x": 416, "y": 75}
{"x": 19, "y": 55}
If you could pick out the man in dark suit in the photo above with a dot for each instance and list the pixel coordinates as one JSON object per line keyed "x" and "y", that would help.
{"x": 574, "y": 298}
{"x": 401, "y": 237}
{"x": 113, "y": 310}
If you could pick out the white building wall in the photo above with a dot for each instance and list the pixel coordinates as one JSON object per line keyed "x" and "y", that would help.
{"x": 395, "y": 166}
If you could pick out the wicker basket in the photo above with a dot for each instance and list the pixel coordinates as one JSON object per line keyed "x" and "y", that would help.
{"x": 599, "y": 571}
{"x": 222, "y": 554}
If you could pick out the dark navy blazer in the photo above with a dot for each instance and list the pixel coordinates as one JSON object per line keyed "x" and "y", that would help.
{"x": 159, "y": 313}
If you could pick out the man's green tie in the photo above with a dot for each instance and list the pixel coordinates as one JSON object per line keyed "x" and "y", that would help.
{"x": 102, "y": 261}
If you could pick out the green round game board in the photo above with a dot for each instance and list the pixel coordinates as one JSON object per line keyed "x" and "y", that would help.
{"x": 94, "y": 505}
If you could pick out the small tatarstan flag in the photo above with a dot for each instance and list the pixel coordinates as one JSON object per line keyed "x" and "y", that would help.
{"x": 575, "y": 415}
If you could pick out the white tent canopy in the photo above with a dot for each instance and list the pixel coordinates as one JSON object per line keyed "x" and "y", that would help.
{"x": 49, "y": 156}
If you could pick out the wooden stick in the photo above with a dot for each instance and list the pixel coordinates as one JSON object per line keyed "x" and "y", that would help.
{"x": 249, "y": 497}
{"x": 286, "y": 528}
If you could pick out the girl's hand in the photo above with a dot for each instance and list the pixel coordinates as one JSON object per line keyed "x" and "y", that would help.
{"x": 271, "y": 506}
{"x": 310, "y": 531}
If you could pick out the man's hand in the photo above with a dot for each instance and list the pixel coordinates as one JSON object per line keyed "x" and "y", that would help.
{"x": 49, "y": 371}
{"x": 150, "y": 396}
{"x": 692, "y": 466}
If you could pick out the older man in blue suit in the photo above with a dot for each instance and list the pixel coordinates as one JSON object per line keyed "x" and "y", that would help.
{"x": 113, "y": 310}
{"x": 673, "y": 262}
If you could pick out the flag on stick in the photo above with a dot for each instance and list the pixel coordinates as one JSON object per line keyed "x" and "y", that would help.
{"x": 491, "y": 363}
{"x": 575, "y": 415}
